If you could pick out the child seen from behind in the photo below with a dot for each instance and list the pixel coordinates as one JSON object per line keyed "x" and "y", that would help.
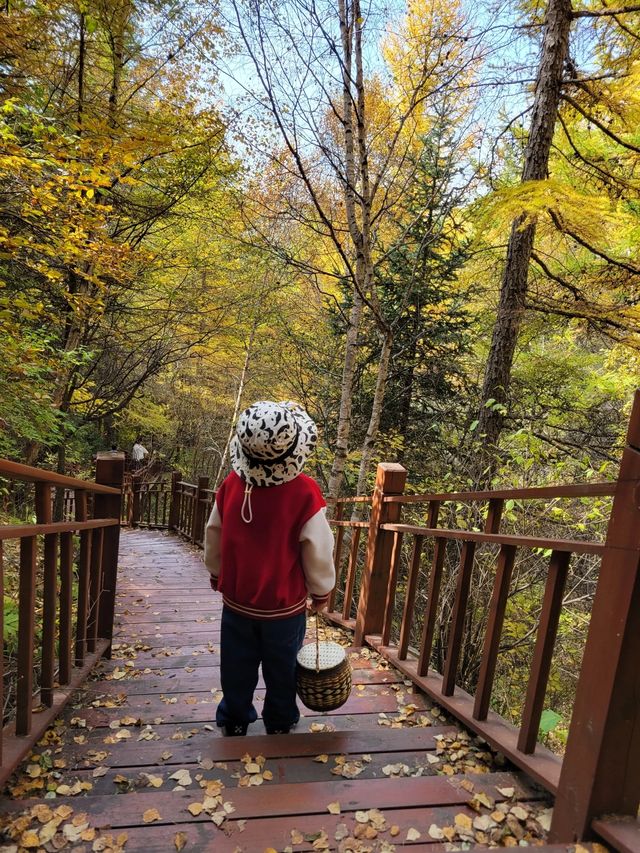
{"x": 268, "y": 546}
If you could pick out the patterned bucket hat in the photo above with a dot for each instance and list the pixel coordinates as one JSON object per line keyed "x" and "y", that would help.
{"x": 272, "y": 443}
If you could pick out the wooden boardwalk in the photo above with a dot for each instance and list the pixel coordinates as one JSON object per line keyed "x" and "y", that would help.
{"x": 137, "y": 763}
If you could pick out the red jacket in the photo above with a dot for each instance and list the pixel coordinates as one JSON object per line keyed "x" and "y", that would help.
{"x": 268, "y": 566}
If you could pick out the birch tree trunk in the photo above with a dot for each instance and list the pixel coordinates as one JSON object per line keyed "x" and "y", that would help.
{"x": 369, "y": 444}
{"x": 346, "y": 398}
{"x": 513, "y": 290}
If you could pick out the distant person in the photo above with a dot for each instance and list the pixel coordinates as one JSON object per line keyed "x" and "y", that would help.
{"x": 138, "y": 453}
{"x": 268, "y": 545}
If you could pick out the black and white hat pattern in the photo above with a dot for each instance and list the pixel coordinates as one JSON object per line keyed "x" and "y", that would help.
{"x": 272, "y": 443}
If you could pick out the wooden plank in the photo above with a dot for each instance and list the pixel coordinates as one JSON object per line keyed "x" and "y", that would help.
{"x": 337, "y": 556}
{"x": 44, "y": 502}
{"x": 84, "y": 562}
{"x": 150, "y": 707}
{"x": 27, "y": 474}
{"x": 290, "y": 800}
{"x": 543, "y": 651}
{"x": 390, "y": 479}
{"x": 458, "y": 618}
{"x": 66, "y": 607}
{"x": 285, "y": 769}
{"x": 351, "y": 574}
{"x": 576, "y": 490}
{"x": 26, "y": 630}
{"x": 410, "y": 597}
{"x": 433, "y": 594}
{"x": 494, "y": 515}
{"x": 572, "y": 546}
{"x": 95, "y": 586}
{"x": 621, "y": 832}
{"x": 298, "y": 744}
{"x": 204, "y": 678}
{"x": 396, "y": 555}
{"x": 495, "y": 621}
{"x": 20, "y": 531}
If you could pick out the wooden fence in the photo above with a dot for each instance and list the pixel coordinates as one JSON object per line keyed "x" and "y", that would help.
{"x": 76, "y": 624}
{"x": 600, "y": 771}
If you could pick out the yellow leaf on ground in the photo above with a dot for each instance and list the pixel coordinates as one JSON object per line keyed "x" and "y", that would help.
{"x": 180, "y": 839}
{"x": 413, "y": 834}
{"x": 150, "y": 815}
{"x": 463, "y": 821}
{"x": 333, "y": 808}
{"x": 195, "y": 808}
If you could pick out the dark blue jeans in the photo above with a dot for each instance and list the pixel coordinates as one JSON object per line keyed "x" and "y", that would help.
{"x": 246, "y": 643}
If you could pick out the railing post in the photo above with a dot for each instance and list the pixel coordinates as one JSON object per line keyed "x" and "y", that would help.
{"x": 174, "y": 505}
{"x": 601, "y": 768}
{"x": 390, "y": 480}
{"x": 135, "y": 500}
{"x": 109, "y": 472}
{"x": 198, "y": 508}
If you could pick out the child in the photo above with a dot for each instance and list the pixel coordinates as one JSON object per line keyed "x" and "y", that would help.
{"x": 267, "y": 545}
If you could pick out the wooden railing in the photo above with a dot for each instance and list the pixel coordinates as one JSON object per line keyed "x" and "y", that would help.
{"x": 600, "y": 772}
{"x": 71, "y": 566}
{"x": 376, "y": 597}
{"x": 169, "y": 504}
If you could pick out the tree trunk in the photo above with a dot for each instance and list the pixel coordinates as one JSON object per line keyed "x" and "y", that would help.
{"x": 369, "y": 444}
{"x": 513, "y": 291}
{"x": 346, "y": 398}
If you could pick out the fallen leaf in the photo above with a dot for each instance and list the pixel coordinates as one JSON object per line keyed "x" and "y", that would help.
{"x": 464, "y": 821}
{"x": 506, "y": 792}
{"x": 180, "y": 839}
{"x": 150, "y": 815}
{"x": 435, "y": 832}
{"x": 334, "y": 808}
{"x": 195, "y": 808}
{"x": 413, "y": 834}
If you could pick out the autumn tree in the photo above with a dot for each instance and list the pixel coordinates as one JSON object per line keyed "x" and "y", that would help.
{"x": 350, "y": 139}
{"x": 559, "y": 83}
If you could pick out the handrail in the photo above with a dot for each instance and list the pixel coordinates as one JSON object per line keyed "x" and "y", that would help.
{"x": 598, "y": 773}
{"x": 74, "y": 627}
{"x": 575, "y": 490}
{"x": 575, "y": 546}
{"x": 22, "y": 531}
{"x": 27, "y": 474}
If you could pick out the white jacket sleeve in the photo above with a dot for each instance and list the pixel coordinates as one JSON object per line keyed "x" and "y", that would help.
{"x": 212, "y": 542}
{"x": 316, "y": 541}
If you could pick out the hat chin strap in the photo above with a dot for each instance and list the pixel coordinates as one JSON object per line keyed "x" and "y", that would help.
{"x": 246, "y": 504}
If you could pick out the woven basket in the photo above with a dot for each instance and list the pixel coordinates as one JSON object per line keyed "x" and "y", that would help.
{"x": 323, "y": 675}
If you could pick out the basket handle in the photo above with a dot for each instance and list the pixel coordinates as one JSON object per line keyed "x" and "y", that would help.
{"x": 319, "y": 622}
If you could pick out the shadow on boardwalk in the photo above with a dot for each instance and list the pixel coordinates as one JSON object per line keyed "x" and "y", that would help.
{"x": 137, "y": 763}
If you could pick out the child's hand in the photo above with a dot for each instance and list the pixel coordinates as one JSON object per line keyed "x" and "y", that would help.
{"x": 315, "y": 605}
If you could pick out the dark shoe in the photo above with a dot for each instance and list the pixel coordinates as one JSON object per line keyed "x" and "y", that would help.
{"x": 280, "y": 730}
{"x": 234, "y": 729}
